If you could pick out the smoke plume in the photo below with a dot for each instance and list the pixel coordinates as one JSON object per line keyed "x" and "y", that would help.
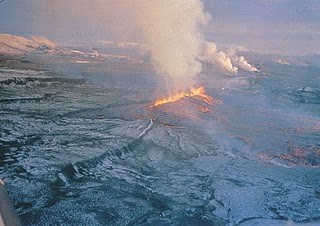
{"x": 172, "y": 29}
{"x": 229, "y": 61}
{"x": 241, "y": 61}
{"x": 210, "y": 54}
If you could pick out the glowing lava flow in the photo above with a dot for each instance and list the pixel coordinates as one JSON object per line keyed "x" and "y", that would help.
{"x": 195, "y": 92}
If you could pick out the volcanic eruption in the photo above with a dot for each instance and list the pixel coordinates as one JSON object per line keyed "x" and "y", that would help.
{"x": 173, "y": 33}
{"x": 194, "y": 92}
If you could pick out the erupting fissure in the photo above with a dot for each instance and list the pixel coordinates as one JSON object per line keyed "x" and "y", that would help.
{"x": 194, "y": 92}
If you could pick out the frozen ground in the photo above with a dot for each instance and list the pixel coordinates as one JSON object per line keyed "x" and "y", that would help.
{"x": 79, "y": 145}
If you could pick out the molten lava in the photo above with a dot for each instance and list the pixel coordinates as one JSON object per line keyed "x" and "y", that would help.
{"x": 194, "y": 92}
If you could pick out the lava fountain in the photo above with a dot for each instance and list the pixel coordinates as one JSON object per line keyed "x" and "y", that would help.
{"x": 194, "y": 92}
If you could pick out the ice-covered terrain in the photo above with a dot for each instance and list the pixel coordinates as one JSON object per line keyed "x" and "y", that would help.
{"x": 80, "y": 145}
{"x": 24, "y": 48}
{"x": 15, "y": 45}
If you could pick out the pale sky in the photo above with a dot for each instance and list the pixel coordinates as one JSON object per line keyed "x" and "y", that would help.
{"x": 271, "y": 26}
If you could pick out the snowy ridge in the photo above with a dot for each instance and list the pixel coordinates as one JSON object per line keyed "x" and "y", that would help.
{"x": 17, "y": 45}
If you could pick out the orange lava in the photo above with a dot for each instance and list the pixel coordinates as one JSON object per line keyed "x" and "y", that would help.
{"x": 194, "y": 92}
{"x": 297, "y": 156}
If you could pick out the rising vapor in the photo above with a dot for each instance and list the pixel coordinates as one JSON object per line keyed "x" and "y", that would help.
{"x": 210, "y": 54}
{"x": 241, "y": 61}
{"x": 229, "y": 61}
{"x": 173, "y": 32}
{"x": 172, "y": 29}
{"x": 244, "y": 64}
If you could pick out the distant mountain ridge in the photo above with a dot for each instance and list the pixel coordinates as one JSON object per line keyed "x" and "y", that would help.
{"x": 17, "y": 45}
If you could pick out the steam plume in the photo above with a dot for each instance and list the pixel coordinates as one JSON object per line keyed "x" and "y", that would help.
{"x": 241, "y": 61}
{"x": 172, "y": 29}
{"x": 229, "y": 61}
{"x": 210, "y": 54}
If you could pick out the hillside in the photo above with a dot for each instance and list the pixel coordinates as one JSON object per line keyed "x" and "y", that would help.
{"x": 17, "y": 45}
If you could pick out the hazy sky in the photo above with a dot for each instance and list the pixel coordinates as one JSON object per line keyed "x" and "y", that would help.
{"x": 276, "y": 26}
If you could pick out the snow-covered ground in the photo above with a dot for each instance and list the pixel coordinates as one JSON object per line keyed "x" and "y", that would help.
{"x": 15, "y": 45}
{"x": 84, "y": 147}
{"x": 18, "y": 45}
